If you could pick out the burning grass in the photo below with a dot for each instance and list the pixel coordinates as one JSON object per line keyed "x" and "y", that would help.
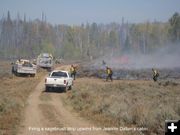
{"x": 134, "y": 103}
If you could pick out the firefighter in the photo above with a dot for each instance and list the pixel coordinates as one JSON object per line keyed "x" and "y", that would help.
{"x": 73, "y": 71}
{"x": 109, "y": 74}
{"x": 155, "y": 74}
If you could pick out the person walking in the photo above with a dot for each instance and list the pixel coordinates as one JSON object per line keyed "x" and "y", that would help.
{"x": 155, "y": 74}
{"x": 109, "y": 74}
{"x": 73, "y": 71}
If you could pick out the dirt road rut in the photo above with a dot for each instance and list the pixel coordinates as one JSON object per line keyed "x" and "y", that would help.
{"x": 46, "y": 114}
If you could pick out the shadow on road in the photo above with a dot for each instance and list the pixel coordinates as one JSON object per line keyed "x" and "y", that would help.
{"x": 55, "y": 90}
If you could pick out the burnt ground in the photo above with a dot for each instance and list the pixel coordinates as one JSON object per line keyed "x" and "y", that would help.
{"x": 129, "y": 74}
{"x": 131, "y": 100}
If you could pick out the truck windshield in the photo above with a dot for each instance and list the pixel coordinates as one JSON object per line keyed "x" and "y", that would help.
{"x": 27, "y": 64}
{"x": 59, "y": 74}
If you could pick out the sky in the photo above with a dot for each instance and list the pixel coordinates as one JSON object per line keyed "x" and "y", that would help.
{"x": 76, "y": 12}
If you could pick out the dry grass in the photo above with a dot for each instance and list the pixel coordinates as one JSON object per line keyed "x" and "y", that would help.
{"x": 5, "y": 69}
{"x": 127, "y": 103}
{"x": 13, "y": 94}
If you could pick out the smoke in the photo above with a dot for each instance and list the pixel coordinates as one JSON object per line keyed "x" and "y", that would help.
{"x": 167, "y": 57}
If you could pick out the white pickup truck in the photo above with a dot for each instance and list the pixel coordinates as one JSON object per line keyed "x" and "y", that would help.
{"x": 45, "y": 60}
{"x": 23, "y": 66}
{"x": 59, "y": 79}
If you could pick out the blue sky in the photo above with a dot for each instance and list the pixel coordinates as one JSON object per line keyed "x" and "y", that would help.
{"x": 99, "y": 11}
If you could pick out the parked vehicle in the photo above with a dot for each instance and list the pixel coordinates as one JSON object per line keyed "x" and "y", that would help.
{"x": 45, "y": 60}
{"x": 59, "y": 79}
{"x": 23, "y": 66}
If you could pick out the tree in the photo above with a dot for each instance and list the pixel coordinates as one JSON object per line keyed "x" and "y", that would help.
{"x": 20, "y": 38}
{"x": 174, "y": 29}
{"x": 127, "y": 46}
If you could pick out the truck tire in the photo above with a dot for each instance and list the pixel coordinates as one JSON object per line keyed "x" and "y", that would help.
{"x": 12, "y": 70}
{"x": 32, "y": 75}
{"x": 70, "y": 87}
{"x": 65, "y": 89}
{"x": 46, "y": 88}
{"x": 49, "y": 69}
{"x": 17, "y": 74}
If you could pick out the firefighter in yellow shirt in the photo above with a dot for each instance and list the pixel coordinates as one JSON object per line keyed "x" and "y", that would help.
{"x": 109, "y": 74}
{"x": 73, "y": 71}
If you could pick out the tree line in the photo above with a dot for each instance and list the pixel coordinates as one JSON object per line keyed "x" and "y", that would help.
{"x": 22, "y": 38}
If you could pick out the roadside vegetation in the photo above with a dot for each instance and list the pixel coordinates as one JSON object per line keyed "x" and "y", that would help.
{"x": 5, "y": 69}
{"x": 13, "y": 95}
{"x": 127, "y": 103}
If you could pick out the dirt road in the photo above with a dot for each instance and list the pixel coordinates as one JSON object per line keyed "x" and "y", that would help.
{"x": 46, "y": 114}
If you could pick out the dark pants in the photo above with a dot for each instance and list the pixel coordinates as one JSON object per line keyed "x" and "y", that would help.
{"x": 12, "y": 70}
{"x": 109, "y": 76}
{"x": 155, "y": 78}
{"x": 73, "y": 75}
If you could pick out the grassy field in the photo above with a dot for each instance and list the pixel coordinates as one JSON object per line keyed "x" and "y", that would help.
{"x": 125, "y": 103}
{"x": 5, "y": 69}
{"x": 122, "y": 103}
{"x": 13, "y": 95}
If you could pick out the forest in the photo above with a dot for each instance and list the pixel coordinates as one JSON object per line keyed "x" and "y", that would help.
{"x": 25, "y": 38}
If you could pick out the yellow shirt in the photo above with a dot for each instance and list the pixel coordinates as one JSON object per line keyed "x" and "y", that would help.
{"x": 72, "y": 69}
{"x": 108, "y": 71}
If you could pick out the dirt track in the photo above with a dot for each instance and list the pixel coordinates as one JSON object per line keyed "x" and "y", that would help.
{"x": 46, "y": 114}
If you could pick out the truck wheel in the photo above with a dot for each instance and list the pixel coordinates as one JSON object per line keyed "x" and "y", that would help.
{"x": 49, "y": 69}
{"x": 47, "y": 88}
{"x": 65, "y": 89}
{"x": 17, "y": 74}
{"x": 32, "y": 75}
{"x": 13, "y": 71}
{"x": 70, "y": 87}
